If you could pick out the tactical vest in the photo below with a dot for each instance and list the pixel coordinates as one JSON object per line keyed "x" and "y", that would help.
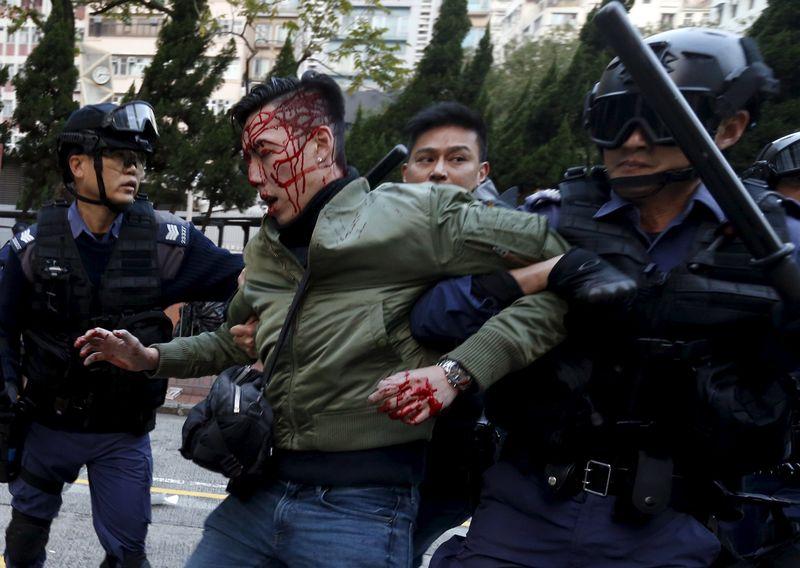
{"x": 678, "y": 374}
{"x": 65, "y": 304}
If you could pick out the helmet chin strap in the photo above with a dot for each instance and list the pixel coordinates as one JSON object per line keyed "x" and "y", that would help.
{"x": 659, "y": 181}
{"x": 101, "y": 188}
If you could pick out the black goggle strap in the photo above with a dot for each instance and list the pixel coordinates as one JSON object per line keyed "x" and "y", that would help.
{"x": 101, "y": 186}
{"x": 71, "y": 188}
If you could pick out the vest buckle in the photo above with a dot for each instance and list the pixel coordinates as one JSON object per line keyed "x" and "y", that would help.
{"x": 53, "y": 271}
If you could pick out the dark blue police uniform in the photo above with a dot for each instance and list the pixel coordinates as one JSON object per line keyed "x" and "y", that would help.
{"x": 525, "y": 517}
{"x": 104, "y": 426}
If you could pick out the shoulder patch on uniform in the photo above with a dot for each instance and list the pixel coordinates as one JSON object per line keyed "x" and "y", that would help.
{"x": 542, "y": 197}
{"x": 172, "y": 230}
{"x": 23, "y": 239}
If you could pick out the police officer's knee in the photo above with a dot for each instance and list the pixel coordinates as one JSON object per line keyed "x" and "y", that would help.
{"x": 26, "y": 537}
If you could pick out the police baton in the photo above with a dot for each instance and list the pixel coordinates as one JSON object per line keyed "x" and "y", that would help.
{"x": 664, "y": 97}
{"x": 389, "y": 162}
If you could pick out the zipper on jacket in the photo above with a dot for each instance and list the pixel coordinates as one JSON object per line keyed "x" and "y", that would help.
{"x": 275, "y": 246}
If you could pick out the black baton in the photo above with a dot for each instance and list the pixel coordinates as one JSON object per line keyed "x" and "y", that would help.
{"x": 389, "y": 162}
{"x": 664, "y": 97}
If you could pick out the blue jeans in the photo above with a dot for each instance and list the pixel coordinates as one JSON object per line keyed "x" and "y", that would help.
{"x": 519, "y": 523}
{"x": 304, "y": 526}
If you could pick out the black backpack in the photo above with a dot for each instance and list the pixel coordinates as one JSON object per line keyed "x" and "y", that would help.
{"x": 230, "y": 431}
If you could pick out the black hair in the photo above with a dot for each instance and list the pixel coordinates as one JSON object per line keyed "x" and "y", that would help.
{"x": 447, "y": 113}
{"x": 283, "y": 87}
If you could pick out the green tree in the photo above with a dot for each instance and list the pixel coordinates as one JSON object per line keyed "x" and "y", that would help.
{"x": 338, "y": 25}
{"x": 222, "y": 180}
{"x": 178, "y": 84}
{"x": 436, "y": 78}
{"x": 511, "y": 147}
{"x": 524, "y": 66}
{"x": 777, "y": 32}
{"x": 554, "y": 104}
{"x": 286, "y": 64}
{"x": 44, "y": 91}
{"x": 472, "y": 81}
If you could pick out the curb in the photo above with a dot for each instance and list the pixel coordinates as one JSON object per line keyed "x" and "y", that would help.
{"x": 177, "y": 408}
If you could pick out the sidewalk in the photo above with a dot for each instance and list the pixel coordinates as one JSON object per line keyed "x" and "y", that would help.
{"x": 183, "y": 394}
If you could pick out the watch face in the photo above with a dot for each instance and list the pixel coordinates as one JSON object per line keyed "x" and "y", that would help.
{"x": 101, "y": 75}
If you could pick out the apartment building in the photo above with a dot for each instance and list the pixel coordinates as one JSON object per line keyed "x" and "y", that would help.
{"x": 530, "y": 20}
{"x": 737, "y": 15}
{"x": 656, "y": 15}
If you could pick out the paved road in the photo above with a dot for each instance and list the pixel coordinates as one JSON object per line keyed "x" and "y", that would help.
{"x": 183, "y": 495}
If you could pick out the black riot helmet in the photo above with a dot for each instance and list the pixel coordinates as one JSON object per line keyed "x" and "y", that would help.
{"x": 105, "y": 127}
{"x": 719, "y": 73}
{"x": 778, "y": 159}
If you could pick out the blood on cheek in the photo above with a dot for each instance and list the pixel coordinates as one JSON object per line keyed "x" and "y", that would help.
{"x": 295, "y": 122}
{"x": 413, "y": 396}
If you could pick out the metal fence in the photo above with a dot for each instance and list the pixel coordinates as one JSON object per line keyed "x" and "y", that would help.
{"x": 231, "y": 233}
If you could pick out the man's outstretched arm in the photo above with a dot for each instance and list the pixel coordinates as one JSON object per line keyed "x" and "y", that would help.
{"x": 205, "y": 354}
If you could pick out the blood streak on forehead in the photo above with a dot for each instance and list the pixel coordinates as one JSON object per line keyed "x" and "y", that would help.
{"x": 295, "y": 120}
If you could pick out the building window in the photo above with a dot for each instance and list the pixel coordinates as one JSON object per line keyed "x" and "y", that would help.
{"x": 129, "y": 65}
{"x": 269, "y": 33}
{"x": 8, "y": 108}
{"x": 219, "y": 106}
{"x": 472, "y": 38}
{"x": 263, "y": 33}
{"x": 563, "y": 19}
{"x": 138, "y": 26}
{"x": 667, "y": 20}
{"x": 477, "y": 5}
{"x": 260, "y": 67}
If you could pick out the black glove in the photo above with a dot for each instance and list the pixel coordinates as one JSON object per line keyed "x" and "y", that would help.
{"x": 582, "y": 276}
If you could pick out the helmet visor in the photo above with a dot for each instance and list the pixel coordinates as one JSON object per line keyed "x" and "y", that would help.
{"x": 612, "y": 118}
{"x": 132, "y": 117}
{"x": 787, "y": 161}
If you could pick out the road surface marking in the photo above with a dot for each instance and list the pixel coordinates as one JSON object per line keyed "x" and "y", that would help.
{"x": 167, "y": 491}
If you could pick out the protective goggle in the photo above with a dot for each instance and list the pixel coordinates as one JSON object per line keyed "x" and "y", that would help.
{"x": 787, "y": 162}
{"x": 133, "y": 116}
{"x": 126, "y": 157}
{"x": 612, "y": 118}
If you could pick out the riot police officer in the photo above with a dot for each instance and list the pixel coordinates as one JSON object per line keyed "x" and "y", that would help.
{"x": 107, "y": 259}
{"x": 763, "y": 530}
{"x": 778, "y": 165}
{"x": 616, "y": 437}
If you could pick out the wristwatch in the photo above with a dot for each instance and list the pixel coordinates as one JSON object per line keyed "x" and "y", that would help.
{"x": 458, "y": 377}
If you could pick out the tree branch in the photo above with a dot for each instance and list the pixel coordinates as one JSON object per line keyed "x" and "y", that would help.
{"x": 151, "y": 4}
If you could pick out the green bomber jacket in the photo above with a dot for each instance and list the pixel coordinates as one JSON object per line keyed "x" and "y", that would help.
{"x": 372, "y": 254}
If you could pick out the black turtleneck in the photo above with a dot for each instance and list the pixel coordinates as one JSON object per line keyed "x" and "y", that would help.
{"x": 296, "y": 236}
